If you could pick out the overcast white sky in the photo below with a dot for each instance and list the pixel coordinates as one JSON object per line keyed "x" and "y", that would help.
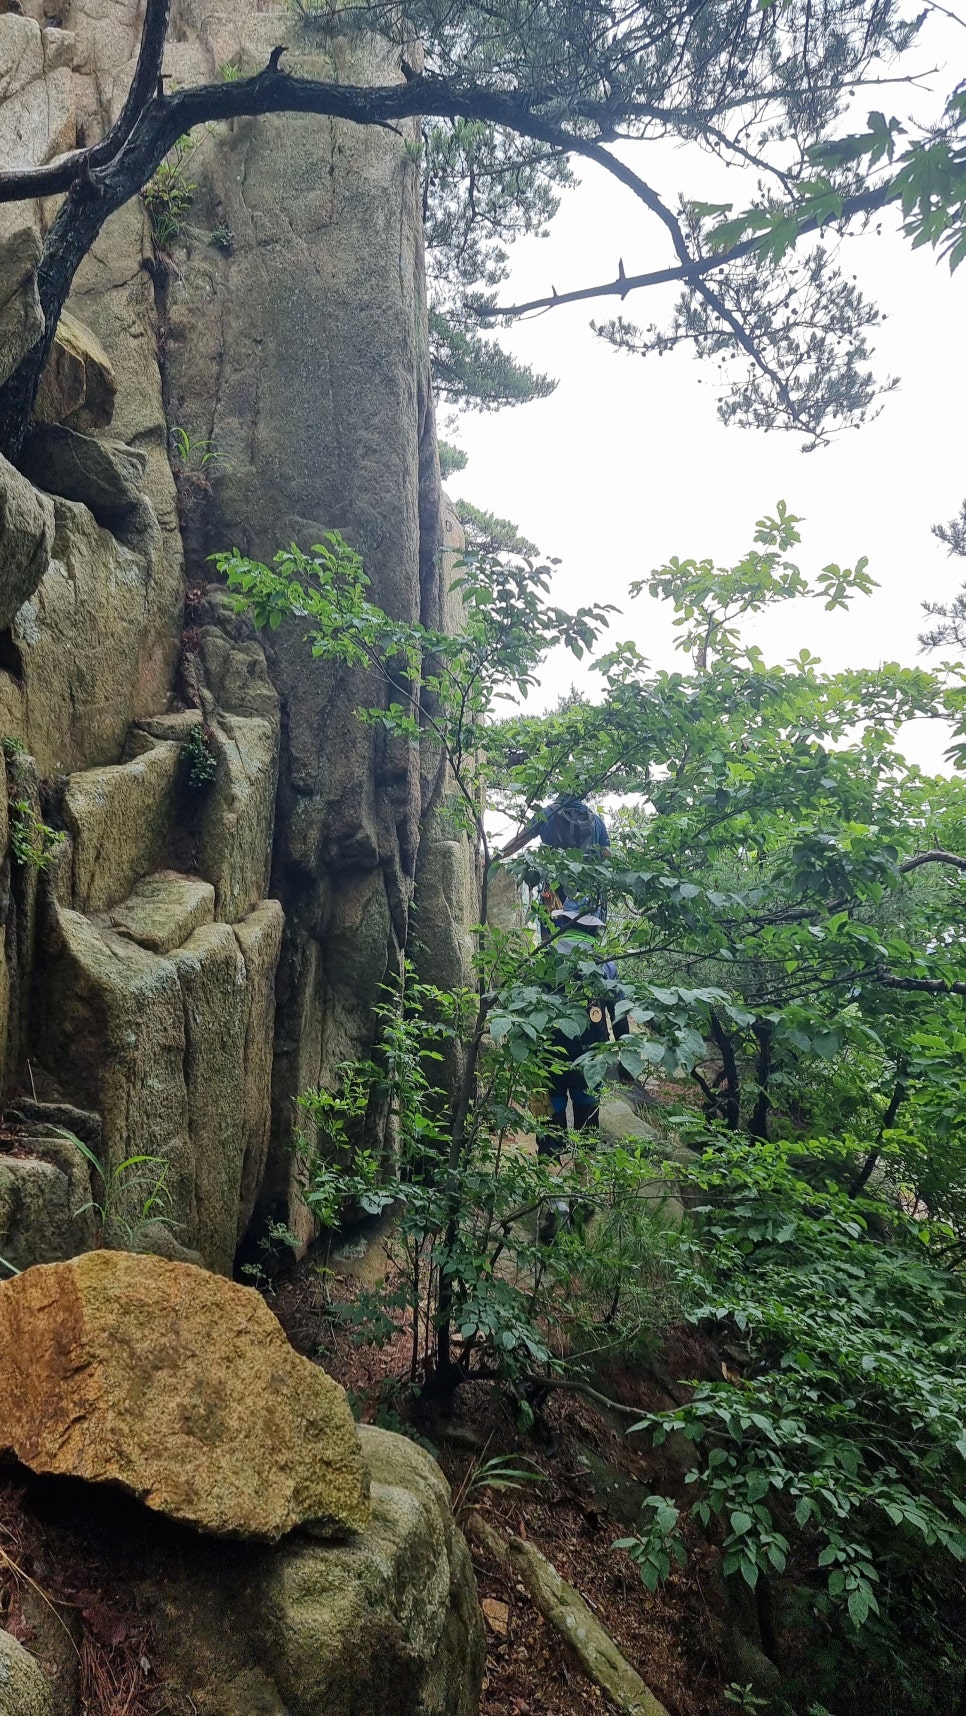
{"x": 627, "y": 463}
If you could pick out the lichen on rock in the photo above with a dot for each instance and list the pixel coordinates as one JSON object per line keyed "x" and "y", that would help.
{"x": 24, "y": 1690}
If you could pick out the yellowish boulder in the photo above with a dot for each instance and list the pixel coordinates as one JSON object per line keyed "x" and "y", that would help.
{"x": 77, "y": 386}
{"x": 180, "y": 1388}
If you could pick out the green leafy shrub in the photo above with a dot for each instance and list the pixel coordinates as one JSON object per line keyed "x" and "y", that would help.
{"x": 32, "y": 842}
{"x": 200, "y": 756}
{"x": 193, "y": 456}
{"x": 786, "y": 900}
{"x": 468, "y": 1228}
{"x": 835, "y": 1464}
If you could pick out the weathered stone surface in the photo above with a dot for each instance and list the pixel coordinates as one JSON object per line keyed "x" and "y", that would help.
{"x": 24, "y": 1688}
{"x": 174, "y": 1051}
{"x": 320, "y": 306}
{"x": 36, "y": 93}
{"x": 292, "y": 353}
{"x": 77, "y": 386}
{"x": 161, "y": 912}
{"x": 35, "y": 1215}
{"x": 505, "y": 905}
{"x": 401, "y": 1599}
{"x": 119, "y": 818}
{"x": 106, "y": 476}
{"x": 239, "y": 813}
{"x": 259, "y": 936}
{"x": 54, "y": 1646}
{"x": 619, "y": 1120}
{"x": 213, "y": 979}
{"x": 113, "y": 294}
{"x": 446, "y": 905}
{"x": 20, "y": 886}
{"x": 8, "y": 951}
{"x": 180, "y": 1388}
{"x": 26, "y": 538}
{"x": 113, "y": 1034}
{"x": 446, "y": 900}
{"x": 385, "y": 1625}
{"x": 232, "y": 661}
{"x": 21, "y": 318}
{"x": 76, "y": 672}
{"x": 114, "y": 299}
{"x": 42, "y": 1196}
{"x": 175, "y": 728}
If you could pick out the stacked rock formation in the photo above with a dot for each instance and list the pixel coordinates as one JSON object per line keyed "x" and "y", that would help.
{"x": 199, "y": 951}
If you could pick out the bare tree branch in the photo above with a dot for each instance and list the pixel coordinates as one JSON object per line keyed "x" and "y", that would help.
{"x": 936, "y": 856}
{"x": 690, "y": 273}
{"x": 96, "y": 191}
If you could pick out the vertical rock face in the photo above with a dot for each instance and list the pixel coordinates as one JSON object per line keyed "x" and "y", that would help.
{"x": 282, "y": 328}
{"x": 296, "y": 345}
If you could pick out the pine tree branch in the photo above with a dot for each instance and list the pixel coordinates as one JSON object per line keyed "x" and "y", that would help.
{"x": 689, "y": 273}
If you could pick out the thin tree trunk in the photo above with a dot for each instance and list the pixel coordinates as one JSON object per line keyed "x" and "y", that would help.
{"x": 865, "y": 1173}
{"x": 730, "y": 1103}
{"x": 765, "y": 1036}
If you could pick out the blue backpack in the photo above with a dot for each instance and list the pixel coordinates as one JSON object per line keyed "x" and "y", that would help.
{"x": 571, "y": 826}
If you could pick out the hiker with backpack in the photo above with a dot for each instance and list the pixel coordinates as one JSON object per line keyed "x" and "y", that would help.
{"x": 567, "y": 825}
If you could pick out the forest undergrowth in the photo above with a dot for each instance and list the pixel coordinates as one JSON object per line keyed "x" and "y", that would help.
{"x": 776, "y": 936}
{"x": 768, "y": 1514}
{"x": 569, "y": 1484}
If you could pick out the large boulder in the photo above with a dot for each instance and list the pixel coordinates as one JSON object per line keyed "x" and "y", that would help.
{"x": 180, "y": 1388}
{"x": 386, "y": 1625}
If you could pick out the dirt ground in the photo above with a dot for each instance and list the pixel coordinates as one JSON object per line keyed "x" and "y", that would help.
{"x": 590, "y": 1480}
